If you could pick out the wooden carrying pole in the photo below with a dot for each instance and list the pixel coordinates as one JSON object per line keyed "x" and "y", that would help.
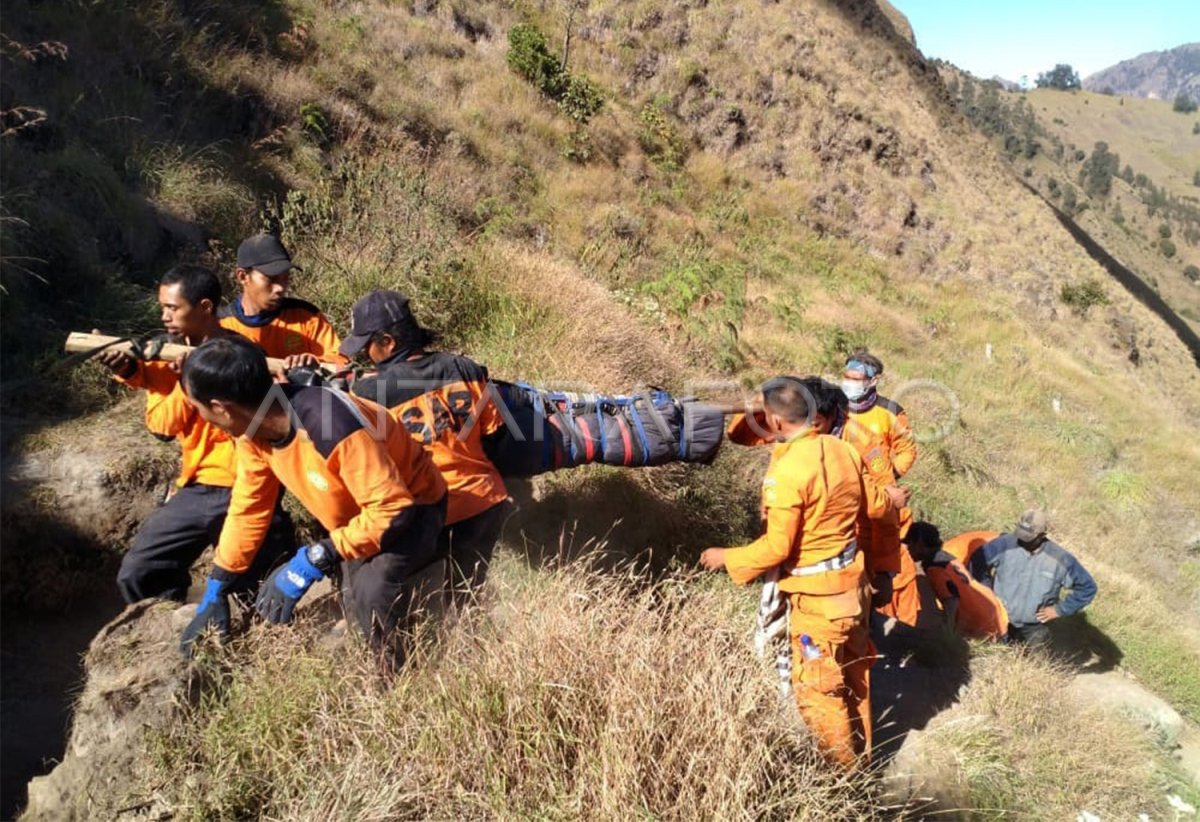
{"x": 79, "y": 343}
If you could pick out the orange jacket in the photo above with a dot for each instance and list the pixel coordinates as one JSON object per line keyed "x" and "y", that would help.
{"x": 963, "y": 546}
{"x": 813, "y": 492}
{"x": 346, "y": 460}
{"x": 207, "y": 453}
{"x": 743, "y": 430}
{"x": 883, "y": 439}
{"x": 441, "y": 399}
{"x": 297, "y": 327}
{"x": 980, "y": 613}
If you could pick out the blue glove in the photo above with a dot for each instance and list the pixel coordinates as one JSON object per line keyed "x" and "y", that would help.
{"x": 213, "y": 611}
{"x": 277, "y": 598}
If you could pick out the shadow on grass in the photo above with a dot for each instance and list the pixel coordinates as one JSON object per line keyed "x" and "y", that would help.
{"x": 132, "y": 85}
{"x": 611, "y": 517}
{"x": 916, "y": 677}
{"x": 919, "y": 676}
{"x": 1083, "y": 647}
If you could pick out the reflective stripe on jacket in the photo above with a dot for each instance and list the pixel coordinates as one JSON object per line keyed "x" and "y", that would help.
{"x": 813, "y": 492}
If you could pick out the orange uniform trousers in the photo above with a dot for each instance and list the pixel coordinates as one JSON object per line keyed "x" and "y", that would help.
{"x": 833, "y": 693}
{"x": 888, "y": 556}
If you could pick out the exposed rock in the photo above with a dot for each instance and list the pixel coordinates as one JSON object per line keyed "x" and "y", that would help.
{"x": 1114, "y": 691}
{"x": 1156, "y": 74}
{"x": 135, "y": 675}
{"x": 71, "y": 506}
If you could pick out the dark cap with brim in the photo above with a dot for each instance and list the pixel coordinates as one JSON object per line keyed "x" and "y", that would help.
{"x": 265, "y": 253}
{"x": 378, "y": 311}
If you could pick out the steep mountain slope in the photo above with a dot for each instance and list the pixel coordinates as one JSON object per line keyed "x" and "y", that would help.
{"x": 1150, "y": 215}
{"x": 1123, "y": 169}
{"x": 1159, "y": 75}
{"x": 764, "y": 187}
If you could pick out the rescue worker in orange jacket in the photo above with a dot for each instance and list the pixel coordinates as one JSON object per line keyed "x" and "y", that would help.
{"x": 970, "y": 608}
{"x": 878, "y": 429}
{"x": 173, "y": 537}
{"x": 964, "y": 546}
{"x": 292, "y": 330}
{"x": 441, "y": 399}
{"x": 813, "y": 492}
{"x": 372, "y": 487}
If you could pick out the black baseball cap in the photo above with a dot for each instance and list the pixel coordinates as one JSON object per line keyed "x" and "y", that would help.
{"x": 264, "y": 252}
{"x": 378, "y": 311}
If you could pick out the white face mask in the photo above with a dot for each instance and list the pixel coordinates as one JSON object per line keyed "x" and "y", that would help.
{"x": 854, "y": 389}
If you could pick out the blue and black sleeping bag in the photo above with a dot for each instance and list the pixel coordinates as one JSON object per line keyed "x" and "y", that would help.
{"x": 549, "y": 430}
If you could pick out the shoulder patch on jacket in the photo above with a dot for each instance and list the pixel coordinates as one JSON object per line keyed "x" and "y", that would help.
{"x": 889, "y": 404}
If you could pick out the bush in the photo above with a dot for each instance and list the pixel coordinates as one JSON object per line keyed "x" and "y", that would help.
{"x": 1098, "y": 171}
{"x": 529, "y": 56}
{"x": 1070, "y": 199}
{"x": 1192, "y": 273}
{"x": 659, "y": 138}
{"x": 1167, "y": 248}
{"x": 580, "y": 99}
{"x": 1184, "y": 104}
{"x": 1164, "y": 231}
{"x": 1083, "y": 297}
{"x": 708, "y": 296}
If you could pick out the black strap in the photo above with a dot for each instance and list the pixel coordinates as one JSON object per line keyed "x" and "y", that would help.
{"x": 148, "y": 347}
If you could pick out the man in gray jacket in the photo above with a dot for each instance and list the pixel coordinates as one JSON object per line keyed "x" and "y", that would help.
{"x": 1028, "y": 572}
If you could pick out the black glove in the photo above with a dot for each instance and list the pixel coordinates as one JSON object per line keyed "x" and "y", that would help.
{"x": 213, "y": 611}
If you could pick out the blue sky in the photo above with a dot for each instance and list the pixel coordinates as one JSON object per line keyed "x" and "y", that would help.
{"x": 1011, "y": 38}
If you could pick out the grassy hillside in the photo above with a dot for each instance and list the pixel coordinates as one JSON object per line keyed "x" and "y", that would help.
{"x": 1152, "y": 140}
{"x": 1123, "y": 168}
{"x": 763, "y": 188}
{"x": 1148, "y": 134}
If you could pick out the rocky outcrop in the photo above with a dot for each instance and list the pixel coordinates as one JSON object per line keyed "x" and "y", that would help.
{"x": 1155, "y": 74}
{"x": 135, "y": 676}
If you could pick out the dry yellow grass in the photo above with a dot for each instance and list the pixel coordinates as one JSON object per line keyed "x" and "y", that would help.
{"x": 1017, "y": 745}
{"x": 572, "y": 695}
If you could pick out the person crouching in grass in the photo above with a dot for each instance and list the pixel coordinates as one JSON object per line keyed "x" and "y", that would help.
{"x": 373, "y": 488}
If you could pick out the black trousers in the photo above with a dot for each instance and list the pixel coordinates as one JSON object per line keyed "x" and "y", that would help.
{"x": 469, "y": 545}
{"x": 1036, "y": 635}
{"x": 159, "y": 562}
{"x": 387, "y": 593}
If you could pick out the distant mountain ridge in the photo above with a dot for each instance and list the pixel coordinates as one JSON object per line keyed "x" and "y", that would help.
{"x": 1159, "y": 75}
